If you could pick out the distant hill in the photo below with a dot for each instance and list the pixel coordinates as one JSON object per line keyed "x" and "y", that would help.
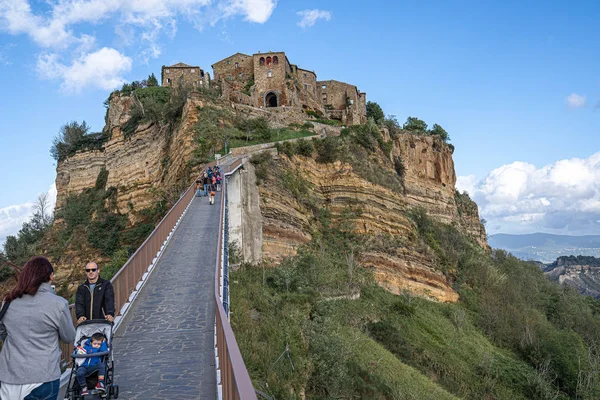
{"x": 546, "y": 247}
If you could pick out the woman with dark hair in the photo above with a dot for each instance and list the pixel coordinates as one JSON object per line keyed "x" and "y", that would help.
{"x": 34, "y": 320}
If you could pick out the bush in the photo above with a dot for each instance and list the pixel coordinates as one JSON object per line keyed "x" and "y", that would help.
{"x": 415, "y": 125}
{"x": 262, "y": 163}
{"x": 308, "y": 125}
{"x": 327, "y": 150}
{"x": 441, "y": 132}
{"x": 73, "y": 137}
{"x": 103, "y": 232}
{"x": 287, "y": 148}
{"x": 101, "y": 179}
{"x": 305, "y": 147}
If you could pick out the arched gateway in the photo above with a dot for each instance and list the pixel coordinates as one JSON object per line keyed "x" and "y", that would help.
{"x": 271, "y": 99}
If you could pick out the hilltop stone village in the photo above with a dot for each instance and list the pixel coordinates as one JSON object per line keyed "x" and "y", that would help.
{"x": 266, "y": 80}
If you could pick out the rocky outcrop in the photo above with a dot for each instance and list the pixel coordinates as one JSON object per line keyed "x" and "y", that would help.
{"x": 584, "y": 278}
{"x": 153, "y": 157}
{"x": 429, "y": 183}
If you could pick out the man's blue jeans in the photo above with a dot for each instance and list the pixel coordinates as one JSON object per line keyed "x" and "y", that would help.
{"x": 206, "y": 189}
{"x": 48, "y": 391}
{"x": 87, "y": 370}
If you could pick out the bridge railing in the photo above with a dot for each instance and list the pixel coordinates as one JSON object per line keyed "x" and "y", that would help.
{"x": 234, "y": 378}
{"x": 125, "y": 281}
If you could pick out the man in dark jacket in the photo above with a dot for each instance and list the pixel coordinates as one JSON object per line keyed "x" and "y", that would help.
{"x": 95, "y": 298}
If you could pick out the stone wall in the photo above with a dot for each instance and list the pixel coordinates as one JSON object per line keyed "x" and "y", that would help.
{"x": 237, "y": 69}
{"x": 187, "y": 74}
{"x": 308, "y": 81}
{"x": 245, "y": 222}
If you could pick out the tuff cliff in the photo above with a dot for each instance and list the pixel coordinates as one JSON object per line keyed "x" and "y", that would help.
{"x": 429, "y": 183}
{"x": 151, "y": 159}
{"x": 155, "y": 159}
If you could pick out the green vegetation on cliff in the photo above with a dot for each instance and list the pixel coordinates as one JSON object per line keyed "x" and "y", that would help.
{"x": 317, "y": 326}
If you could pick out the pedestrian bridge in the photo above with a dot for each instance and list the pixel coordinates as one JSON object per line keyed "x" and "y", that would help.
{"x": 173, "y": 338}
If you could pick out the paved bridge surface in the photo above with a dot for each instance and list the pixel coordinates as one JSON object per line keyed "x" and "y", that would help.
{"x": 164, "y": 347}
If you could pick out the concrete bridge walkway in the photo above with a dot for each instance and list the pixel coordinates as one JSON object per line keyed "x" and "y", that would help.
{"x": 164, "y": 347}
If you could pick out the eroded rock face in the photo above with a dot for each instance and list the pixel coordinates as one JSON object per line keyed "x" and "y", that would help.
{"x": 429, "y": 182}
{"x": 151, "y": 158}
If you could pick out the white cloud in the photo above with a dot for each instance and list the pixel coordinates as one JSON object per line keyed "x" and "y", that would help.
{"x": 66, "y": 30}
{"x": 13, "y": 217}
{"x": 575, "y": 100}
{"x": 102, "y": 69}
{"x": 563, "y": 197}
{"x": 258, "y": 11}
{"x": 310, "y": 17}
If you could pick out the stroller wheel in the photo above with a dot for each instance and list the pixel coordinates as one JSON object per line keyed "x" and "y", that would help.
{"x": 116, "y": 391}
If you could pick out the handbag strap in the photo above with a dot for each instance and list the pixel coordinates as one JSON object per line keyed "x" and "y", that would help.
{"x": 4, "y": 308}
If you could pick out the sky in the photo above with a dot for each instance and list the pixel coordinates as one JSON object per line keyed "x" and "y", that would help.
{"x": 515, "y": 84}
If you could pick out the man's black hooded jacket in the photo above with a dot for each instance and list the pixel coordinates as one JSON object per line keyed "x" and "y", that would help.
{"x": 100, "y": 304}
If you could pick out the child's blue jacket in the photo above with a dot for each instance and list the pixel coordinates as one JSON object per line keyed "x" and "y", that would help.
{"x": 90, "y": 350}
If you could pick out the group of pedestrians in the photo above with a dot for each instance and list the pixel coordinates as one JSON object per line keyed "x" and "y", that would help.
{"x": 209, "y": 182}
{"x": 33, "y": 319}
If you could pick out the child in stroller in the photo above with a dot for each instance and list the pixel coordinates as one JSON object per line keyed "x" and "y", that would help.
{"x": 93, "y": 366}
{"x": 95, "y": 344}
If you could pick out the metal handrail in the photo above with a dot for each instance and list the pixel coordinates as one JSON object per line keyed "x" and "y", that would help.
{"x": 126, "y": 279}
{"x": 235, "y": 379}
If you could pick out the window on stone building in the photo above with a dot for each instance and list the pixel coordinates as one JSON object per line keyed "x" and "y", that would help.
{"x": 324, "y": 87}
{"x": 228, "y": 62}
{"x": 305, "y": 86}
{"x": 169, "y": 80}
{"x": 269, "y": 61}
{"x": 192, "y": 70}
{"x": 275, "y": 60}
{"x": 269, "y": 73}
{"x": 229, "y": 77}
{"x": 167, "y": 71}
{"x": 261, "y": 61}
{"x": 305, "y": 75}
{"x": 237, "y": 65}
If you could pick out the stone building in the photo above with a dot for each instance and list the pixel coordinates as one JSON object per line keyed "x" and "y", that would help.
{"x": 343, "y": 101}
{"x": 187, "y": 74}
{"x": 269, "y": 80}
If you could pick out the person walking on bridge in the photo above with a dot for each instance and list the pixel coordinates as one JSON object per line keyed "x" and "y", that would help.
{"x": 33, "y": 320}
{"x": 95, "y": 298}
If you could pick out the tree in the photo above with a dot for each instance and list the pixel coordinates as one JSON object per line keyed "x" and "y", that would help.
{"x": 374, "y": 111}
{"x": 152, "y": 81}
{"x": 415, "y": 125}
{"x": 69, "y": 135}
{"x": 393, "y": 125}
{"x": 441, "y": 132}
{"x": 42, "y": 208}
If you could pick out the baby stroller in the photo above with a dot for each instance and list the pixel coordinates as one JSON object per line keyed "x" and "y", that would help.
{"x": 84, "y": 331}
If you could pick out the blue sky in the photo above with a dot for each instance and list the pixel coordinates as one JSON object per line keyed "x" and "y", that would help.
{"x": 516, "y": 86}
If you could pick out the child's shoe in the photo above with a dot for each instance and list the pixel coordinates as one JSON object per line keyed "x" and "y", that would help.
{"x": 100, "y": 386}
{"x": 85, "y": 392}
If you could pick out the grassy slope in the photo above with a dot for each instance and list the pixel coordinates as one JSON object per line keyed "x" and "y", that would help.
{"x": 514, "y": 335}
